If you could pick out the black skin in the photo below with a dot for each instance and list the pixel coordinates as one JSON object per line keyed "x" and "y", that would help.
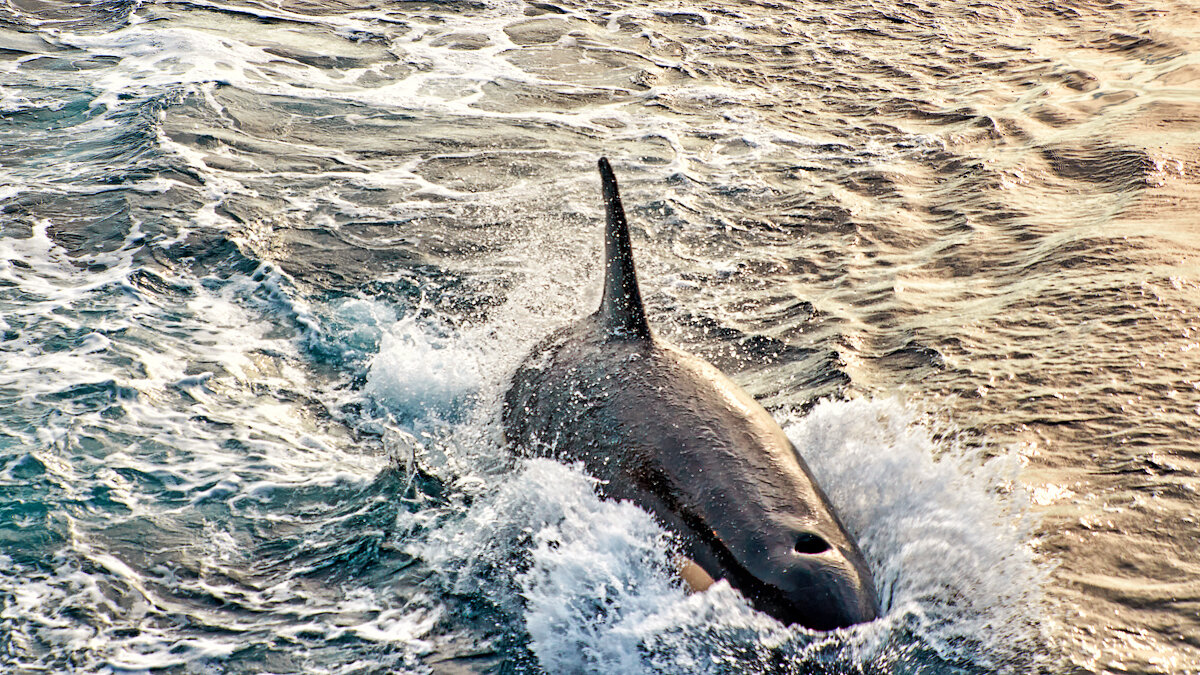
{"x": 668, "y": 432}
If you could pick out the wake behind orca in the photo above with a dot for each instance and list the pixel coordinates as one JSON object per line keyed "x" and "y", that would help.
{"x": 667, "y": 431}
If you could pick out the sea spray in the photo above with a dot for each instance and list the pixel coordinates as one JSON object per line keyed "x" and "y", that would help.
{"x": 593, "y": 582}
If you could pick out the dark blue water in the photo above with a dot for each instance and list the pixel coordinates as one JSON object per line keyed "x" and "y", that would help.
{"x": 266, "y": 267}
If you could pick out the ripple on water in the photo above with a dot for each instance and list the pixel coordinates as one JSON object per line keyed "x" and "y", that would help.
{"x": 232, "y": 232}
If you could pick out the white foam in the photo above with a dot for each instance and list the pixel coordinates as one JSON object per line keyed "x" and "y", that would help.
{"x": 421, "y": 372}
{"x": 598, "y": 581}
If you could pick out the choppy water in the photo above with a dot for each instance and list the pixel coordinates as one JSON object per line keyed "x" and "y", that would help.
{"x": 266, "y": 266}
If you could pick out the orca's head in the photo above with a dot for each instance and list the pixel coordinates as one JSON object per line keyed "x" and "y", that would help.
{"x": 751, "y": 513}
{"x": 798, "y": 572}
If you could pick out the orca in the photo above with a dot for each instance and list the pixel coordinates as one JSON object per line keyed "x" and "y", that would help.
{"x": 669, "y": 432}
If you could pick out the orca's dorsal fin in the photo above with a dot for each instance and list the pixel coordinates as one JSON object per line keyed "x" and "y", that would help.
{"x": 621, "y": 309}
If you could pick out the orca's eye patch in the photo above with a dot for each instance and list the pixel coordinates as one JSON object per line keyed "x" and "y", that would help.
{"x": 810, "y": 544}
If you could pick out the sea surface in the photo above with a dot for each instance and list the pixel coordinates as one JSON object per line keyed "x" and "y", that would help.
{"x": 265, "y": 267}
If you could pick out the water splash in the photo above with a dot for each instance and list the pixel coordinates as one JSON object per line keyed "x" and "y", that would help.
{"x": 946, "y": 531}
{"x": 420, "y": 374}
{"x": 593, "y": 584}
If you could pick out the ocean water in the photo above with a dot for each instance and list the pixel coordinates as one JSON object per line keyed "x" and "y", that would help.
{"x": 265, "y": 267}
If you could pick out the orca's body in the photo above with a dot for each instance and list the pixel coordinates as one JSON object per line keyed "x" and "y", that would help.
{"x": 668, "y": 432}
